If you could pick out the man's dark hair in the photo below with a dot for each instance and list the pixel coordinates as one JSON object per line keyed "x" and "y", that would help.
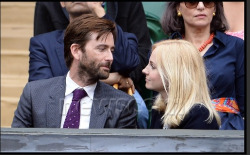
{"x": 81, "y": 28}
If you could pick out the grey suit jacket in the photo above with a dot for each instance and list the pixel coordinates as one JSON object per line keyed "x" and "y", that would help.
{"x": 41, "y": 106}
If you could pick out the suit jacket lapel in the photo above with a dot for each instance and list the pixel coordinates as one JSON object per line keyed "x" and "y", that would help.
{"x": 99, "y": 108}
{"x": 55, "y": 104}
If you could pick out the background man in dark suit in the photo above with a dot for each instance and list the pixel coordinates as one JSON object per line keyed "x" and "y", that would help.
{"x": 88, "y": 46}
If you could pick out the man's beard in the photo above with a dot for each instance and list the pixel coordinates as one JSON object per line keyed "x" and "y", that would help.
{"x": 93, "y": 71}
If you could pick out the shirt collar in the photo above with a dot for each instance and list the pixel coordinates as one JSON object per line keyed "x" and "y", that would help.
{"x": 71, "y": 86}
{"x": 220, "y": 37}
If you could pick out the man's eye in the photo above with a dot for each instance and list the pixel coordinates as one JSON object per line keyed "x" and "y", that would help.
{"x": 101, "y": 49}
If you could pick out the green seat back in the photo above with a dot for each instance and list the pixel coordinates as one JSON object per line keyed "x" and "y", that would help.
{"x": 155, "y": 29}
{"x": 153, "y": 12}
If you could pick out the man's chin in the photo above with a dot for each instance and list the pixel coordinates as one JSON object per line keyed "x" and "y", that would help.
{"x": 104, "y": 76}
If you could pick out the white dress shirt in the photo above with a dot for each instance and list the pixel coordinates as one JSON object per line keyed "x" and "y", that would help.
{"x": 85, "y": 104}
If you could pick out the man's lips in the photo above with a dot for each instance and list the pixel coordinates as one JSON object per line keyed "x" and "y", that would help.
{"x": 106, "y": 67}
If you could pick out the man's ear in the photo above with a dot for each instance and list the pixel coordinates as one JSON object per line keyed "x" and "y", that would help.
{"x": 75, "y": 51}
{"x": 62, "y": 4}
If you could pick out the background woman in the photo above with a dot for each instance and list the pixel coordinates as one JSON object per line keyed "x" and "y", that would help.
{"x": 177, "y": 72}
{"x": 204, "y": 24}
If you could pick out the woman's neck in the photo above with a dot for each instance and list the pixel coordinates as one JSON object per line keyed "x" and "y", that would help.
{"x": 200, "y": 38}
{"x": 164, "y": 95}
{"x": 197, "y": 38}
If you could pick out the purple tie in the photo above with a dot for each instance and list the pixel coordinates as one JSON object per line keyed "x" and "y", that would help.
{"x": 73, "y": 116}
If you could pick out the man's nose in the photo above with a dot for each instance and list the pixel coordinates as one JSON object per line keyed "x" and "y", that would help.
{"x": 109, "y": 56}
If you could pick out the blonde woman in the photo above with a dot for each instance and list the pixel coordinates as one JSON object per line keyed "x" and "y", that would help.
{"x": 176, "y": 70}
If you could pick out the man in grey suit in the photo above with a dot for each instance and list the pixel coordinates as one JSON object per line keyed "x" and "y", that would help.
{"x": 88, "y": 46}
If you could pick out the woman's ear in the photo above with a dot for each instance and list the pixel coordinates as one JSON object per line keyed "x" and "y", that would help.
{"x": 75, "y": 51}
{"x": 178, "y": 8}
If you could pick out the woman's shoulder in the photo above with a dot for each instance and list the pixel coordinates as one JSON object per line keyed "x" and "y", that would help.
{"x": 197, "y": 118}
{"x": 198, "y": 110}
{"x": 199, "y": 107}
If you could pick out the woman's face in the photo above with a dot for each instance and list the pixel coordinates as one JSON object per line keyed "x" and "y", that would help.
{"x": 199, "y": 16}
{"x": 153, "y": 79}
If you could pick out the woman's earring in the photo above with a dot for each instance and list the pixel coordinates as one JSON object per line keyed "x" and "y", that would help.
{"x": 214, "y": 14}
{"x": 179, "y": 14}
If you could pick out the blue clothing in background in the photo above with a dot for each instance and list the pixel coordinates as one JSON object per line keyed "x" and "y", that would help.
{"x": 225, "y": 61}
{"x": 231, "y": 121}
{"x": 142, "y": 115}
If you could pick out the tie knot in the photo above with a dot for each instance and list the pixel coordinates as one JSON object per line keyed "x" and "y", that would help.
{"x": 79, "y": 94}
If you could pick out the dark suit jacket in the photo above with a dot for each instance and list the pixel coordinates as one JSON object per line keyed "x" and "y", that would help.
{"x": 47, "y": 56}
{"x": 41, "y": 106}
{"x": 195, "y": 119}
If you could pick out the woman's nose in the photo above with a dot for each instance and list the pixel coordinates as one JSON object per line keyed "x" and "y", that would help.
{"x": 144, "y": 71}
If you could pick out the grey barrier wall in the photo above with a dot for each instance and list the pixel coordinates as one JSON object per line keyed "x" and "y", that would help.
{"x": 120, "y": 140}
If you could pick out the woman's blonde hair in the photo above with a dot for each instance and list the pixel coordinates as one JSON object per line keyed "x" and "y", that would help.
{"x": 182, "y": 72}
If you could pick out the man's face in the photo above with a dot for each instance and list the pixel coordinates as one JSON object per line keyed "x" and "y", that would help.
{"x": 76, "y": 8}
{"x": 95, "y": 61}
